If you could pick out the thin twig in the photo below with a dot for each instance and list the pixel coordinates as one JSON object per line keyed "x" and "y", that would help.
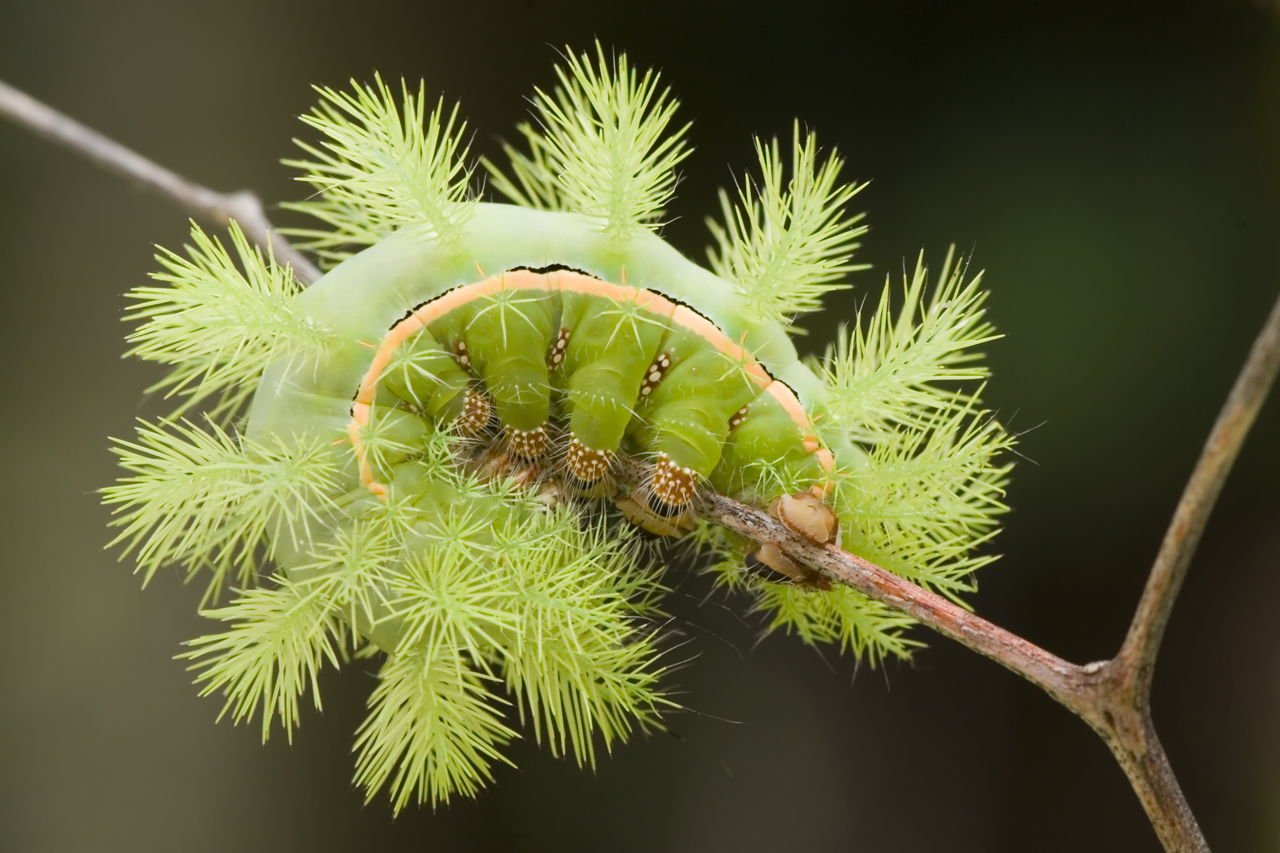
{"x": 1033, "y": 663}
{"x": 1091, "y": 691}
{"x": 1142, "y": 644}
{"x": 243, "y": 206}
{"x": 1113, "y": 696}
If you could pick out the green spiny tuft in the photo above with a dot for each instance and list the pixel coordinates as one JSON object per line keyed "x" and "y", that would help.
{"x": 448, "y": 595}
{"x": 351, "y": 568}
{"x": 899, "y": 369}
{"x": 434, "y": 730}
{"x": 603, "y": 150}
{"x": 788, "y": 240}
{"x": 927, "y": 499}
{"x": 380, "y": 167}
{"x": 210, "y": 499}
{"x": 218, "y": 321}
{"x": 278, "y": 640}
{"x": 580, "y": 656}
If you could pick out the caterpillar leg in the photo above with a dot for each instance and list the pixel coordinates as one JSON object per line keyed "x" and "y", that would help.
{"x": 645, "y": 518}
{"x": 588, "y": 473}
{"x": 808, "y": 515}
{"x": 663, "y": 502}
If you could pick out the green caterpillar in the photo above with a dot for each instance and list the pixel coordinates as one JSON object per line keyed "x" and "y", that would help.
{"x": 621, "y": 363}
{"x": 438, "y": 426}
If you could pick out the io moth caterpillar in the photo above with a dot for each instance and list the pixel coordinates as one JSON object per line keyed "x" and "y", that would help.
{"x": 430, "y": 461}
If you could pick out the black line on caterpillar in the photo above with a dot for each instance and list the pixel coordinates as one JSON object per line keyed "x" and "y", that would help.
{"x": 550, "y": 268}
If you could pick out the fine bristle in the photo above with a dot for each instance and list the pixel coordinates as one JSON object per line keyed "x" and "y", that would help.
{"x": 788, "y": 239}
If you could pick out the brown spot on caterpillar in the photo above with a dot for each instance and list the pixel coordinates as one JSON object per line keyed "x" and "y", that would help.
{"x": 737, "y": 419}
{"x": 557, "y": 349}
{"x": 461, "y": 354}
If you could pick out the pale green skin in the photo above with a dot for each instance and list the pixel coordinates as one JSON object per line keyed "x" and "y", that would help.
{"x": 365, "y": 295}
{"x": 362, "y": 297}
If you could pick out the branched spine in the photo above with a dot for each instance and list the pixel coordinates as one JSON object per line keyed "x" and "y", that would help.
{"x": 217, "y": 321}
{"x": 788, "y": 239}
{"x": 380, "y": 167}
{"x": 603, "y": 148}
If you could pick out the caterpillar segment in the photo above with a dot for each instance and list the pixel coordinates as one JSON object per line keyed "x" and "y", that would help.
{"x": 556, "y": 375}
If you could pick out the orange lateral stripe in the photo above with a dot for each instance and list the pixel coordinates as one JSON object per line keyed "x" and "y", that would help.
{"x": 573, "y": 282}
{"x": 651, "y": 301}
{"x": 791, "y": 405}
{"x": 710, "y": 332}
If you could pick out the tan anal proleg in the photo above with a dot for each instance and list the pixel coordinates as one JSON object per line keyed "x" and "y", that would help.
{"x": 807, "y": 515}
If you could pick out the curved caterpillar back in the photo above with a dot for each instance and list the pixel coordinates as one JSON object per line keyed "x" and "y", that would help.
{"x": 439, "y": 425}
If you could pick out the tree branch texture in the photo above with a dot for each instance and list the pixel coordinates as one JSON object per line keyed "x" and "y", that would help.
{"x": 242, "y": 206}
{"x": 1112, "y": 696}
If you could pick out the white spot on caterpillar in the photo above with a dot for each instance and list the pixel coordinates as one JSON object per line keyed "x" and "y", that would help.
{"x": 557, "y": 350}
{"x": 655, "y": 373}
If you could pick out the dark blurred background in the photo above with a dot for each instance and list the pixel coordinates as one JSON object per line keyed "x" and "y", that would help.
{"x": 1115, "y": 168}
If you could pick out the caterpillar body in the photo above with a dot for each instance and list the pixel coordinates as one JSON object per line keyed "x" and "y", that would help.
{"x": 436, "y": 426}
{"x": 556, "y": 372}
